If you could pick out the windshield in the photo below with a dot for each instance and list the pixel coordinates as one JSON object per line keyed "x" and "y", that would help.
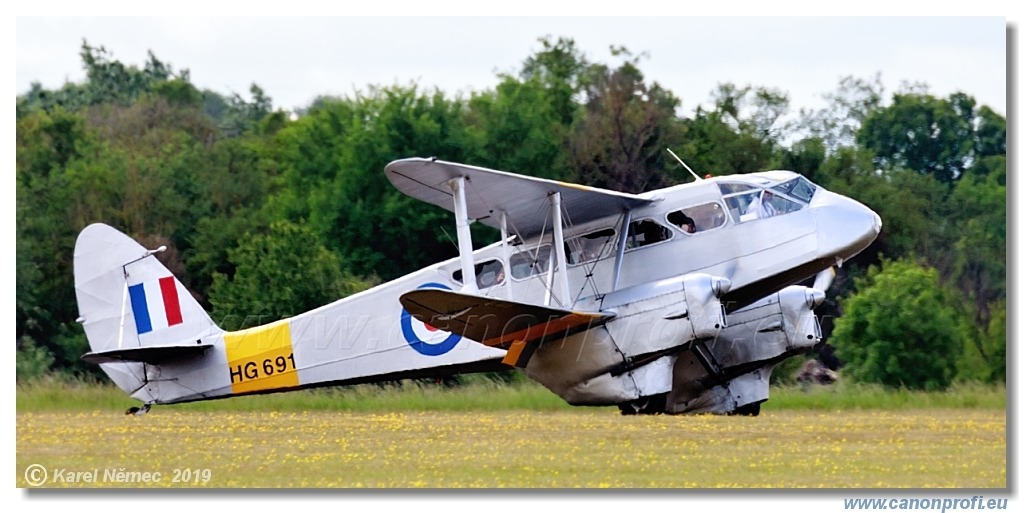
{"x": 757, "y": 203}
{"x": 798, "y": 188}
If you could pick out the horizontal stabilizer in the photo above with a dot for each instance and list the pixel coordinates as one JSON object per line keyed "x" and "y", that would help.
{"x": 151, "y": 354}
{"x": 497, "y": 322}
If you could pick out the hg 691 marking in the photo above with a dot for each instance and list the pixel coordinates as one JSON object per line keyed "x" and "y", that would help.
{"x": 265, "y": 368}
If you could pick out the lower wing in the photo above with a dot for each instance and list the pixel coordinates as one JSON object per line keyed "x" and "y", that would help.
{"x": 510, "y": 325}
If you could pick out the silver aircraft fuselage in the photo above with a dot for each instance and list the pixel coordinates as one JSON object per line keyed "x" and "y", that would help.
{"x": 696, "y": 283}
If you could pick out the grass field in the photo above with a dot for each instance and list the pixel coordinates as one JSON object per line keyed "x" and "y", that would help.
{"x": 483, "y": 395}
{"x": 493, "y": 437}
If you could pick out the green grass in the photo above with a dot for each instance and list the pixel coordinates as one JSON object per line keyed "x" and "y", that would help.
{"x": 519, "y": 435}
{"x": 581, "y": 447}
{"x": 480, "y": 395}
{"x": 859, "y": 396}
{"x": 483, "y": 395}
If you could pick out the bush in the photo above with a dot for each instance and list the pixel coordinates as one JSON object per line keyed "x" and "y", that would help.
{"x": 288, "y": 261}
{"x": 901, "y": 328}
{"x": 31, "y": 361}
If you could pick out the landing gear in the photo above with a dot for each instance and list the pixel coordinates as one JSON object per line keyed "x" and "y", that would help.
{"x": 135, "y": 410}
{"x": 650, "y": 405}
{"x": 748, "y": 410}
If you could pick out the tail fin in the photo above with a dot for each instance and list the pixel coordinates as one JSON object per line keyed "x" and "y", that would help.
{"x": 132, "y": 308}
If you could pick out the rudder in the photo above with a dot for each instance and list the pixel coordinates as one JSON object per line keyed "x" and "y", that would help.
{"x": 128, "y": 300}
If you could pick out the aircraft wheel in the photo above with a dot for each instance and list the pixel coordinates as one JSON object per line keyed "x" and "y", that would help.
{"x": 135, "y": 410}
{"x": 748, "y": 410}
{"x": 627, "y": 409}
{"x": 650, "y": 405}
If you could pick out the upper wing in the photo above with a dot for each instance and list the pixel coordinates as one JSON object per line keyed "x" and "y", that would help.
{"x": 524, "y": 199}
{"x": 497, "y": 322}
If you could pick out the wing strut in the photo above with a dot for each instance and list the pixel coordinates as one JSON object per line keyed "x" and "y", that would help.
{"x": 505, "y": 255}
{"x": 458, "y": 185}
{"x": 627, "y": 217}
{"x": 559, "y": 243}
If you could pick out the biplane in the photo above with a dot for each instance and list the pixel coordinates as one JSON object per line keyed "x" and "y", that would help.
{"x": 678, "y": 300}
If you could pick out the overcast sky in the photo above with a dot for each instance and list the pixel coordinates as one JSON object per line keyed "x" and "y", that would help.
{"x": 296, "y": 59}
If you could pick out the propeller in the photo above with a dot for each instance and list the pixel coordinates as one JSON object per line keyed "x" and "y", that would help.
{"x": 823, "y": 280}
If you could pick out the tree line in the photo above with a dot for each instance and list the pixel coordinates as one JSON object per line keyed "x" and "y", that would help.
{"x": 249, "y": 198}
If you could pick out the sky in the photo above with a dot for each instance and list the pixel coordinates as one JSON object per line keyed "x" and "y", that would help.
{"x": 296, "y": 59}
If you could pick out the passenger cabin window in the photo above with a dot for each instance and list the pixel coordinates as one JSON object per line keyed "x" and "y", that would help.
{"x": 528, "y": 263}
{"x": 700, "y": 218}
{"x": 589, "y": 247}
{"x": 759, "y": 204}
{"x": 488, "y": 274}
{"x": 646, "y": 232}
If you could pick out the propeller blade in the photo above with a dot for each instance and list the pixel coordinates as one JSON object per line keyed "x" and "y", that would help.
{"x": 824, "y": 279}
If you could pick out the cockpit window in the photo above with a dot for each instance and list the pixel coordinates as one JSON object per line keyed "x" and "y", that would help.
{"x": 798, "y": 188}
{"x": 733, "y": 188}
{"x": 529, "y": 263}
{"x": 759, "y": 204}
{"x": 488, "y": 274}
{"x": 646, "y": 232}
{"x": 592, "y": 246}
{"x": 698, "y": 218}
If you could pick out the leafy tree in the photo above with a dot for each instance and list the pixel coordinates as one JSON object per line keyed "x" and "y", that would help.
{"x": 50, "y": 146}
{"x": 236, "y": 178}
{"x": 929, "y": 135}
{"x": 979, "y": 258}
{"x": 838, "y": 123}
{"x": 712, "y": 146}
{"x": 520, "y": 128}
{"x": 332, "y": 162}
{"x": 108, "y": 81}
{"x": 560, "y": 68}
{"x": 240, "y": 115}
{"x": 752, "y": 110}
{"x": 806, "y": 156}
{"x": 523, "y": 125}
{"x": 619, "y": 142}
{"x": 281, "y": 273}
{"x": 901, "y": 328}
{"x": 989, "y": 138}
{"x": 994, "y": 346}
{"x": 740, "y": 134}
{"x": 984, "y": 356}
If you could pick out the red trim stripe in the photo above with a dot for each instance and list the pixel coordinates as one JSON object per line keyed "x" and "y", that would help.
{"x": 543, "y": 329}
{"x": 171, "y": 306}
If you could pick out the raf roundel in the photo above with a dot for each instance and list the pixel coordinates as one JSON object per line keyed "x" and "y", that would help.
{"x": 424, "y": 338}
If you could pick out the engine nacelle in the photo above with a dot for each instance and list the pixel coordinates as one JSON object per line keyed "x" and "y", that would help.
{"x": 613, "y": 363}
{"x": 732, "y": 371}
{"x": 705, "y": 310}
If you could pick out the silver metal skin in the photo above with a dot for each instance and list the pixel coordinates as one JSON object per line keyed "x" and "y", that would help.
{"x": 700, "y": 319}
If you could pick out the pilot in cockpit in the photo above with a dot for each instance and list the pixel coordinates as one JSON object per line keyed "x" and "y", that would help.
{"x": 761, "y": 207}
{"x": 767, "y": 208}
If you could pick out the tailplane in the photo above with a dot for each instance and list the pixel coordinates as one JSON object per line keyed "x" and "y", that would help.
{"x": 134, "y": 311}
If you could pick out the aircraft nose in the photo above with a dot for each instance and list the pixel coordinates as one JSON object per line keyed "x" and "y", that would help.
{"x": 845, "y": 226}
